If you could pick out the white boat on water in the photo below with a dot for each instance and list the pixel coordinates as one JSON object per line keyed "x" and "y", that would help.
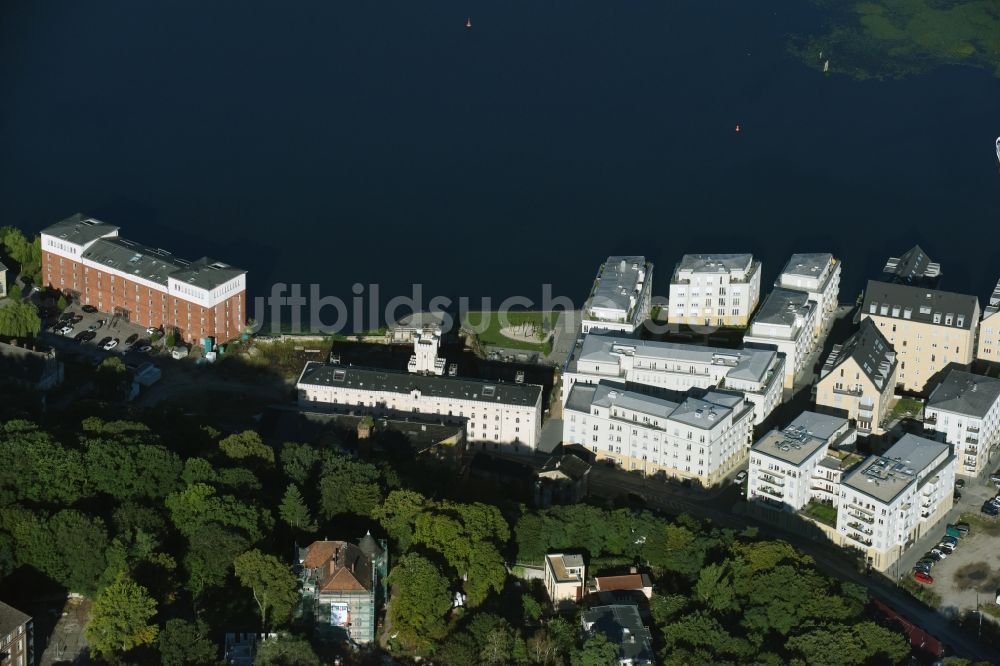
{"x": 998, "y": 148}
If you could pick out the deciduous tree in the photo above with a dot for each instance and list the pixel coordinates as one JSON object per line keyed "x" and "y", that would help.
{"x": 120, "y": 618}
{"x": 274, "y": 586}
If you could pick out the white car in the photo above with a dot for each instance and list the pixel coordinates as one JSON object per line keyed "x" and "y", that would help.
{"x": 111, "y": 344}
{"x": 65, "y": 330}
{"x": 941, "y": 552}
{"x": 741, "y": 477}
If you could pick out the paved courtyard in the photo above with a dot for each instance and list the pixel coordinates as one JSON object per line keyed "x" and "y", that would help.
{"x": 67, "y": 644}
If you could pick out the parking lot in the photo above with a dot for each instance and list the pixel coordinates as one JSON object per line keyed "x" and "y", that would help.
{"x": 91, "y": 329}
{"x": 973, "y": 568}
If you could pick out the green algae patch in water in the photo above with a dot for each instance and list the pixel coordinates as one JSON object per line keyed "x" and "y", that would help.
{"x": 882, "y": 39}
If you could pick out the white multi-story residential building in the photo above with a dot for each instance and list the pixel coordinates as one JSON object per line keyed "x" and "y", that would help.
{"x": 621, "y": 297}
{"x": 929, "y": 329}
{"x": 714, "y": 290}
{"x": 787, "y": 322}
{"x": 564, "y": 577}
{"x": 817, "y": 274}
{"x": 497, "y": 415}
{"x": 964, "y": 410}
{"x": 858, "y": 379}
{"x": 890, "y": 501}
{"x": 787, "y": 466}
{"x": 645, "y": 364}
{"x": 989, "y": 330}
{"x": 701, "y": 435}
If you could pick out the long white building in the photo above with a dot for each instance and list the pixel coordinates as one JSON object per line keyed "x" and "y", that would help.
{"x": 621, "y": 298}
{"x": 890, "y": 501}
{"x": 701, "y": 435}
{"x": 787, "y": 322}
{"x": 792, "y": 466}
{"x": 817, "y": 274}
{"x": 497, "y": 415}
{"x": 641, "y": 364}
{"x": 964, "y": 410}
{"x": 714, "y": 290}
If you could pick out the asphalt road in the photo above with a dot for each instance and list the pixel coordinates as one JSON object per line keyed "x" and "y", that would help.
{"x": 724, "y": 509}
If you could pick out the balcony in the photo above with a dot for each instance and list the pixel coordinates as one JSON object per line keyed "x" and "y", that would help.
{"x": 774, "y": 481}
{"x": 860, "y": 515}
{"x": 771, "y": 491}
{"x": 971, "y": 451}
{"x": 972, "y": 440}
{"x": 972, "y": 429}
{"x": 855, "y": 537}
{"x": 860, "y": 528}
{"x": 845, "y": 391}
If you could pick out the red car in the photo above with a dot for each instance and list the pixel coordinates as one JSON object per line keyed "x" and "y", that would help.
{"x": 922, "y": 577}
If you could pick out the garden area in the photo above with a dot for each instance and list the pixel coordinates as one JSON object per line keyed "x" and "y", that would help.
{"x": 824, "y": 513}
{"x": 528, "y": 330}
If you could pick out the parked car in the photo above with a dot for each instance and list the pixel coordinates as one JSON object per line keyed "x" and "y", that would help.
{"x": 922, "y": 577}
{"x": 130, "y": 340}
{"x": 89, "y": 309}
{"x": 111, "y": 344}
{"x": 144, "y": 348}
{"x": 100, "y": 323}
{"x": 67, "y": 315}
{"x": 65, "y": 330}
{"x": 76, "y": 319}
{"x": 85, "y": 336}
{"x": 151, "y": 330}
{"x": 956, "y": 495}
{"x": 963, "y": 528}
{"x": 938, "y": 553}
{"x": 741, "y": 477}
{"x": 995, "y": 476}
{"x": 953, "y": 540}
{"x": 990, "y": 509}
{"x": 925, "y": 564}
{"x": 946, "y": 547}
{"x": 959, "y": 483}
{"x": 104, "y": 341}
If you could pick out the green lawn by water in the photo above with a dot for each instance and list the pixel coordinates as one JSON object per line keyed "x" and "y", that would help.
{"x": 491, "y": 335}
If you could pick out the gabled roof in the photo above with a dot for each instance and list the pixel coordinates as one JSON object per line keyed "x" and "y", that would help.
{"x": 913, "y": 267}
{"x": 343, "y": 566}
{"x": 869, "y": 349}
{"x": 920, "y": 304}
{"x": 809, "y": 264}
{"x": 207, "y": 273}
{"x": 627, "y": 582}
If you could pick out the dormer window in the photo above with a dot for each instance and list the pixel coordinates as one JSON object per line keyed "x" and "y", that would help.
{"x": 937, "y": 317}
{"x": 960, "y": 321}
{"x": 948, "y": 319}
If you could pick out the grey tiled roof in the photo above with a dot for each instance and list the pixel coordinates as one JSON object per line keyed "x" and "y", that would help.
{"x": 207, "y": 273}
{"x": 886, "y": 476}
{"x": 869, "y": 349}
{"x": 913, "y": 267}
{"x": 715, "y": 263}
{"x": 392, "y": 381}
{"x": 801, "y": 438}
{"x": 11, "y": 619}
{"x": 781, "y": 307}
{"x": 79, "y": 229}
{"x": 696, "y": 407}
{"x": 965, "y": 393}
{"x": 617, "y": 282}
{"x": 622, "y": 625}
{"x": 810, "y": 264}
{"x": 920, "y": 304}
{"x": 134, "y": 259}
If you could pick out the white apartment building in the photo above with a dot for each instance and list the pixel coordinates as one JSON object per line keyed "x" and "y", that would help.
{"x": 714, "y": 290}
{"x": 643, "y": 364}
{"x": 989, "y": 330}
{"x": 621, "y": 298}
{"x": 789, "y": 467}
{"x": 890, "y": 501}
{"x": 787, "y": 322}
{"x": 964, "y": 410}
{"x": 496, "y": 414}
{"x": 817, "y": 274}
{"x": 700, "y": 435}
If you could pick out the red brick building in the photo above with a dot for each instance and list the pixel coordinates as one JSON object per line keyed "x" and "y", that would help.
{"x": 87, "y": 259}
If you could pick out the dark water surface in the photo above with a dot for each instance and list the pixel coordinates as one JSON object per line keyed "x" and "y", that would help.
{"x": 343, "y": 142}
